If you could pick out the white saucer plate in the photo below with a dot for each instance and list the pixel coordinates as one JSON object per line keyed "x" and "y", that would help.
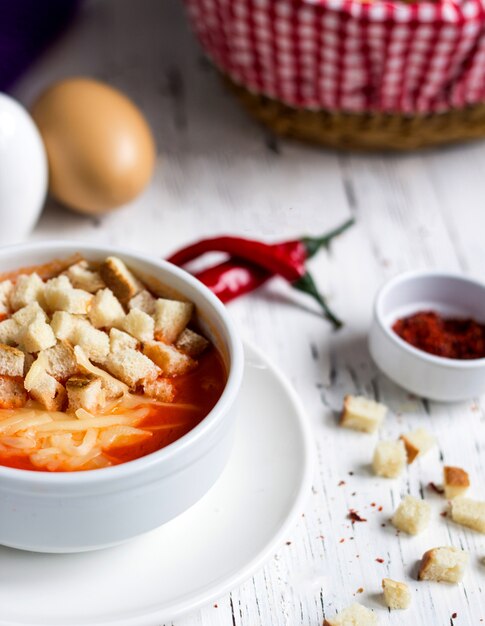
{"x": 196, "y": 558}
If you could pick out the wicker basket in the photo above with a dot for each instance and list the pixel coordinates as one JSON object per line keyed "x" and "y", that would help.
{"x": 343, "y": 73}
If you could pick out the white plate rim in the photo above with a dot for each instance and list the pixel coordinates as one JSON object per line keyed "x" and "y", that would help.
{"x": 216, "y": 590}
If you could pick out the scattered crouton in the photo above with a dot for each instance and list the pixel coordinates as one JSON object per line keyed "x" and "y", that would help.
{"x": 171, "y": 317}
{"x": 6, "y": 288}
{"x": 60, "y": 361}
{"x": 396, "y": 594}
{"x": 85, "y": 392}
{"x": 12, "y": 392}
{"x": 82, "y": 277}
{"x": 37, "y": 336}
{"x": 131, "y": 366}
{"x": 119, "y": 279}
{"x": 61, "y": 296}
{"x": 143, "y": 301}
{"x": 106, "y": 310}
{"x": 119, "y": 340}
{"x": 94, "y": 342}
{"x": 389, "y": 459}
{"x": 29, "y": 313}
{"x": 417, "y": 443}
{"x": 363, "y": 414}
{"x": 139, "y": 324}
{"x": 27, "y": 288}
{"x": 9, "y": 332}
{"x": 11, "y": 361}
{"x": 445, "y": 564}
{"x": 455, "y": 481}
{"x": 191, "y": 343}
{"x": 43, "y": 387}
{"x": 469, "y": 513}
{"x": 169, "y": 359}
{"x": 160, "y": 389}
{"x": 354, "y": 615}
{"x": 412, "y": 515}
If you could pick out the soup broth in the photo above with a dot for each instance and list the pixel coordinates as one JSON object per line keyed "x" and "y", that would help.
{"x": 197, "y": 393}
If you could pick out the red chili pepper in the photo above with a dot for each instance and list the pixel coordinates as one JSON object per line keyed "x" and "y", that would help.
{"x": 233, "y": 278}
{"x": 273, "y": 260}
{"x": 253, "y": 263}
{"x": 286, "y": 259}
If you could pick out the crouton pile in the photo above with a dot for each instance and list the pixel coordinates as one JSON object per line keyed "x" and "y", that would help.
{"x": 413, "y": 515}
{"x": 88, "y": 335}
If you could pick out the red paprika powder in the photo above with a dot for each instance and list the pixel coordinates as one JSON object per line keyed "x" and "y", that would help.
{"x": 453, "y": 338}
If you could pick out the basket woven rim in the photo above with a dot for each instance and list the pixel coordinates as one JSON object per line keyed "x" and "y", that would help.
{"x": 363, "y": 131}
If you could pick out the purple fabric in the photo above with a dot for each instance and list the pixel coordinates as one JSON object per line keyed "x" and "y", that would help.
{"x": 26, "y": 28}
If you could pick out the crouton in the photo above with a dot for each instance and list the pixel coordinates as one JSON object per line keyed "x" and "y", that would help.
{"x": 131, "y": 366}
{"x": 29, "y": 313}
{"x": 60, "y": 361}
{"x": 112, "y": 387}
{"x": 389, "y": 459}
{"x": 354, "y": 615}
{"x": 118, "y": 340}
{"x": 469, "y": 513}
{"x": 139, "y": 324}
{"x": 61, "y": 296}
{"x": 171, "y": 317}
{"x": 360, "y": 413}
{"x": 455, "y": 481}
{"x": 160, "y": 389}
{"x": 28, "y": 360}
{"x": 6, "y": 288}
{"x": 82, "y": 277}
{"x": 143, "y": 301}
{"x": 11, "y": 361}
{"x": 191, "y": 343}
{"x": 396, "y": 595}
{"x": 12, "y": 392}
{"x": 54, "y": 284}
{"x": 106, "y": 310}
{"x": 412, "y": 515}
{"x": 65, "y": 325}
{"x": 119, "y": 279}
{"x": 27, "y": 288}
{"x": 62, "y": 324}
{"x": 9, "y": 332}
{"x": 445, "y": 564}
{"x": 85, "y": 392}
{"x": 37, "y": 336}
{"x": 417, "y": 443}
{"x": 95, "y": 343}
{"x": 169, "y": 359}
{"x": 43, "y": 387}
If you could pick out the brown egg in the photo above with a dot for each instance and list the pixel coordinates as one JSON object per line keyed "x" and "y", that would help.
{"x": 100, "y": 149}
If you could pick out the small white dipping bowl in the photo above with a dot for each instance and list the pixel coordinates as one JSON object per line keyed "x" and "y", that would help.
{"x": 423, "y": 374}
{"x": 87, "y": 510}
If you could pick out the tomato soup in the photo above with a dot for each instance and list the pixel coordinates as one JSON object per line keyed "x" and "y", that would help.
{"x": 96, "y": 369}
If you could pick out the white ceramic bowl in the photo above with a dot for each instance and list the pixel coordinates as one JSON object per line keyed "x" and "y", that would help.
{"x": 424, "y": 374}
{"x": 77, "y": 511}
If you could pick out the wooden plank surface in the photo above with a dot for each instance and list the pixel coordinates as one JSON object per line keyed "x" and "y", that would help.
{"x": 219, "y": 172}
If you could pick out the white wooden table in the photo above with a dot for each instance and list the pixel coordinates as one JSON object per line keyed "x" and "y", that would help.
{"x": 220, "y": 172}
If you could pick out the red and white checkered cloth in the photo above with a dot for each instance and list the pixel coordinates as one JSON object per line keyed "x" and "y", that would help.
{"x": 346, "y": 55}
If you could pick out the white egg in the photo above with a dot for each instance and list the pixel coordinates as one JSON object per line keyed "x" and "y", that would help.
{"x": 23, "y": 172}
